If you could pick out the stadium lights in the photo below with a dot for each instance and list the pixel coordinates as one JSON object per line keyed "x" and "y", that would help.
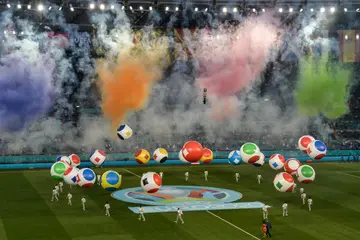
{"x": 29, "y": 6}
{"x": 21, "y": 33}
{"x": 332, "y": 9}
{"x": 50, "y": 8}
{"x": 19, "y": 6}
{"x": 345, "y": 9}
{"x": 301, "y": 9}
{"x": 14, "y": 32}
{"x": 206, "y": 9}
{"x": 123, "y": 7}
{"x": 92, "y": 6}
{"x": 224, "y": 10}
{"x": 280, "y": 10}
{"x": 40, "y": 7}
{"x": 167, "y": 9}
{"x": 71, "y": 8}
{"x": 322, "y": 9}
{"x": 196, "y": 9}
{"x": 5, "y": 32}
{"x": 358, "y": 10}
{"x": 150, "y": 8}
{"x": 141, "y": 8}
{"x": 263, "y": 9}
{"x": 102, "y": 6}
{"x": 60, "y": 8}
{"x": 291, "y": 9}
{"x": 177, "y": 9}
{"x": 235, "y": 9}
{"x": 346, "y": 37}
{"x": 254, "y": 10}
{"x": 131, "y": 8}
{"x": 357, "y": 36}
{"x": 8, "y": 5}
{"x": 311, "y": 10}
{"x": 112, "y": 7}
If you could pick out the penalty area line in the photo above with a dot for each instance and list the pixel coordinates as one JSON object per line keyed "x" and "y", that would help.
{"x": 238, "y": 228}
{"x": 131, "y": 172}
{"x": 348, "y": 174}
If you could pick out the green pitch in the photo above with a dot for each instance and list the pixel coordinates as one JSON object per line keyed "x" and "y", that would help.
{"x": 26, "y": 212}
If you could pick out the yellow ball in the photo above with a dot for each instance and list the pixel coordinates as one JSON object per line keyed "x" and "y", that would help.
{"x": 160, "y": 155}
{"x": 142, "y": 156}
{"x": 207, "y": 156}
{"x": 110, "y": 180}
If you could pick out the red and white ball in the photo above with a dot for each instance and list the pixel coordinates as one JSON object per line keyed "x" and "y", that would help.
{"x": 304, "y": 141}
{"x": 65, "y": 160}
{"x": 151, "y": 182}
{"x": 261, "y": 161}
{"x": 276, "y": 161}
{"x": 181, "y": 157}
{"x": 192, "y": 151}
{"x": 283, "y": 182}
{"x": 291, "y": 165}
{"x": 71, "y": 176}
{"x": 75, "y": 160}
{"x": 97, "y": 157}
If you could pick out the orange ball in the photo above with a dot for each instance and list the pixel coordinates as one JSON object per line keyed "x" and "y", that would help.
{"x": 207, "y": 156}
{"x": 192, "y": 151}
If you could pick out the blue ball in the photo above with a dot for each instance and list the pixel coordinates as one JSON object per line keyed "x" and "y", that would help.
{"x": 235, "y": 158}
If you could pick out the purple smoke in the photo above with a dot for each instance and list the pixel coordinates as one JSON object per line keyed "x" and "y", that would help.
{"x": 26, "y": 91}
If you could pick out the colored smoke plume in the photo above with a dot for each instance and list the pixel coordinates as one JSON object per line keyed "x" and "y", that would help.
{"x": 126, "y": 84}
{"x": 322, "y": 87}
{"x": 231, "y": 59}
{"x": 27, "y": 91}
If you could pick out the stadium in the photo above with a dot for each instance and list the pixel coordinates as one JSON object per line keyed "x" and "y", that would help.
{"x": 179, "y": 119}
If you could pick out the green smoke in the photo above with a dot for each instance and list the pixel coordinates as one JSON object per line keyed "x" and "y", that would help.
{"x": 322, "y": 87}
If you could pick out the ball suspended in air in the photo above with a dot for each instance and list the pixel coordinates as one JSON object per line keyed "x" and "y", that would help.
{"x": 261, "y": 161}
{"x": 57, "y": 170}
{"x": 97, "y": 157}
{"x": 235, "y": 158}
{"x": 316, "y": 150}
{"x": 276, "y": 161}
{"x": 283, "y": 182}
{"x": 181, "y": 157}
{"x": 110, "y": 180}
{"x": 64, "y": 159}
{"x": 150, "y": 182}
{"x": 71, "y": 176}
{"x": 305, "y": 174}
{"x": 160, "y": 155}
{"x": 87, "y": 177}
{"x": 142, "y": 156}
{"x": 207, "y": 156}
{"x": 304, "y": 142}
{"x": 291, "y": 165}
{"x": 250, "y": 152}
{"x": 75, "y": 160}
{"x": 124, "y": 132}
{"x": 192, "y": 151}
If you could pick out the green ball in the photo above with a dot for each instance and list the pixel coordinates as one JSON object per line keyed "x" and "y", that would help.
{"x": 57, "y": 170}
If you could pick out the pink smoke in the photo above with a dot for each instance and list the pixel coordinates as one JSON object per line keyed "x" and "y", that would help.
{"x": 231, "y": 59}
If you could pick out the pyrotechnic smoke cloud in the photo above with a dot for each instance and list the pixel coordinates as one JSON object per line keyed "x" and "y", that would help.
{"x": 27, "y": 91}
{"x": 231, "y": 59}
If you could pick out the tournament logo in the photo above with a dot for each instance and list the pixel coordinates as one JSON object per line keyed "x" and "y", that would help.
{"x": 178, "y": 195}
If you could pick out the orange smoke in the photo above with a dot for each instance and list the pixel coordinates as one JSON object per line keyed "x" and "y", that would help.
{"x": 126, "y": 84}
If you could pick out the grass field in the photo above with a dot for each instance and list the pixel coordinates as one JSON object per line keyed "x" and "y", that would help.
{"x": 26, "y": 211}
